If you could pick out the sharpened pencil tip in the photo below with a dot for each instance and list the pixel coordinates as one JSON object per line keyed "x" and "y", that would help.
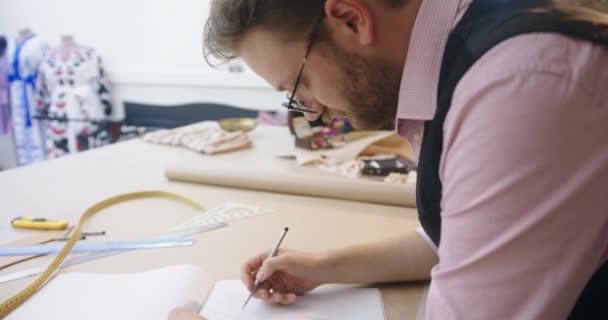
{"x": 247, "y": 301}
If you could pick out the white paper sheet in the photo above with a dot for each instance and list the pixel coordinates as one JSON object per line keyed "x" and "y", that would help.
{"x": 149, "y": 295}
{"x": 325, "y": 303}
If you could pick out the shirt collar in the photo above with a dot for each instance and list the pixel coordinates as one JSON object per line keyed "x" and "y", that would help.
{"x": 418, "y": 92}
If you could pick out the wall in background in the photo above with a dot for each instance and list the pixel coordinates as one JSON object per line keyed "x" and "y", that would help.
{"x": 152, "y": 49}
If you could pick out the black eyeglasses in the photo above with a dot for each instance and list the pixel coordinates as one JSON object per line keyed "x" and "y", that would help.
{"x": 293, "y": 104}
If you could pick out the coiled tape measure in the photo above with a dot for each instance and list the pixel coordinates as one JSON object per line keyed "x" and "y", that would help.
{"x": 15, "y": 301}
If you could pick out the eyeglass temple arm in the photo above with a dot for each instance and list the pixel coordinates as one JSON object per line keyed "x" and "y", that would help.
{"x": 313, "y": 35}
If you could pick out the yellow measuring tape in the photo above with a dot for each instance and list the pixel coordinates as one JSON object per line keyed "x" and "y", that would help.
{"x": 15, "y": 301}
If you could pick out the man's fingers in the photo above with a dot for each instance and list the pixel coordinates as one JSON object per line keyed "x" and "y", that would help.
{"x": 291, "y": 298}
{"x": 271, "y": 265}
{"x": 276, "y": 297}
{"x": 253, "y": 264}
{"x": 262, "y": 294}
{"x": 267, "y": 296}
{"x": 247, "y": 280}
{"x": 249, "y": 269}
{"x": 263, "y": 289}
{"x": 283, "y": 298}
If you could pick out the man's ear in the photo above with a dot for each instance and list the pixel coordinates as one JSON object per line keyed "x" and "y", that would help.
{"x": 350, "y": 20}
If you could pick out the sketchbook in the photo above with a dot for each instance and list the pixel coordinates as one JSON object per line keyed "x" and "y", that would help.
{"x": 151, "y": 295}
{"x": 332, "y": 302}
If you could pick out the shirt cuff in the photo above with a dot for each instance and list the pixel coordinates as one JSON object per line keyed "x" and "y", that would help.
{"x": 426, "y": 238}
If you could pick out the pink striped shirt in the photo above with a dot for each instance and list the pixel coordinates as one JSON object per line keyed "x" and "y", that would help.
{"x": 524, "y": 170}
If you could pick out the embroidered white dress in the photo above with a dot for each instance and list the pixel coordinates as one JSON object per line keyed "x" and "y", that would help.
{"x": 73, "y": 91}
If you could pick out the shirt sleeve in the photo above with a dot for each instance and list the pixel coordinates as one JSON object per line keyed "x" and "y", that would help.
{"x": 426, "y": 238}
{"x": 525, "y": 174}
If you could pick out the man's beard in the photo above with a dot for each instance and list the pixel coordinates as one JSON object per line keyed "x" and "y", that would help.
{"x": 371, "y": 88}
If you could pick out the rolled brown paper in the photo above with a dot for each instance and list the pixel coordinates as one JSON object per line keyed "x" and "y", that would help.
{"x": 309, "y": 183}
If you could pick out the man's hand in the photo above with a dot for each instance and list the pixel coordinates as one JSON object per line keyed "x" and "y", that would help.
{"x": 292, "y": 273}
{"x": 283, "y": 277}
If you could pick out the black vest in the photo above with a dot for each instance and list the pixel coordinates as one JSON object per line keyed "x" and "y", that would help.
{"x": 485, "y": 24}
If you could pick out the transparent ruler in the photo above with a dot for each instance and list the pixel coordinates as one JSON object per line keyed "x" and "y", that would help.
{"x": 221, "y": 214}
{"x": 84, "y": 247}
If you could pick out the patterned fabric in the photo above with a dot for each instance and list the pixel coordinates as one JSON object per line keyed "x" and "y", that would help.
{"x": 203, "y": 138}
{"x": 72, "y": 86}
{"x": 25, "y": 59}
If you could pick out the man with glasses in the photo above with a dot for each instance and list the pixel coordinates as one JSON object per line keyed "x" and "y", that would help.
{"x": 505, "y": 104}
